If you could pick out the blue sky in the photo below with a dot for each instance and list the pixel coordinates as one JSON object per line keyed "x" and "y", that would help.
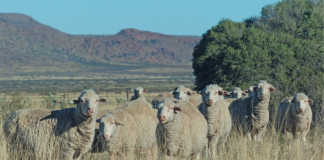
{"x": 179, "y": 17}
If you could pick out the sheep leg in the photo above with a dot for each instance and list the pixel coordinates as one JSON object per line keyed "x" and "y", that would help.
{"x": 195, "y": 156}
{"x": 112, "y": 156}
{"x": 169, "y": 157}
{"x": 68, "y": 154}
{"x": 154, "y": 153}
{"x": 212, "y": 144}
{"x": 204, "y": 153}
{"x": 130, "y": 154}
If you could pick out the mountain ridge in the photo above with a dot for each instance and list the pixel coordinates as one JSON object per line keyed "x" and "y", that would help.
{"x": 25, "y": 43}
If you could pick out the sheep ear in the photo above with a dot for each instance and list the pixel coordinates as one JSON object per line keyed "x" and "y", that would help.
{"x": 177, "y": 109}
{"x": 102, "y": 100}
{"x": 310, "y": 101}
{"x": 272, "y": 89}
{"x": 220, "y": 92}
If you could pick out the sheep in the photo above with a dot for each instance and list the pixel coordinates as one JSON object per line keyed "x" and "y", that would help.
{"x": 185, "y": 94}
{"x": 134, "y": 127}
{"x": 295, "y": 116}
{"x": 237, "y": 93}
{"x": 282, "y": 112}
{"x": 98, "y": 144}
{"x": 185, "y": 129}
{"x": 54, "y": 134}
{"x": 251, "y": 114}
{"x": 182, "y": 93}
{"x": 138, "y": 92}
{"x": 218, "y": 116}
{"x": 116, "y": 132}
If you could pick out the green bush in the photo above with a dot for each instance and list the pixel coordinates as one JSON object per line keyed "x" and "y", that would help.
{"x": 284, "y": 46}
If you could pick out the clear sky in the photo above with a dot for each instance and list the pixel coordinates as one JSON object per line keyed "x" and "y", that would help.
{"x": 180, "y": 17}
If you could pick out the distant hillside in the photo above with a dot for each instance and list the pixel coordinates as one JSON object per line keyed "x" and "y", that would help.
{"x": 25, "y": 43}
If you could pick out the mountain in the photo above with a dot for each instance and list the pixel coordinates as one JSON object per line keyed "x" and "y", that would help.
{"x": 26, "y": 45}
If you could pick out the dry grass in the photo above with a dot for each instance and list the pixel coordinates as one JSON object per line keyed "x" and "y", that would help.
{"x": 3, "y": 147}
{"x": 273, "y": 147}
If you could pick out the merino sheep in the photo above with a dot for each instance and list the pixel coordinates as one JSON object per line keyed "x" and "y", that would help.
{"x": 138, "y": 92}
{"x": 60, "y": 134}
{"x": 131, "y": 129}
{"x": 185, "y": 129}
{"x": 295, "y": 116}
{"x": 184, "y": 94}
{"x": 282, "y": 113}
{"x": 218, "y": 116}
{"x": 251, "y": 114}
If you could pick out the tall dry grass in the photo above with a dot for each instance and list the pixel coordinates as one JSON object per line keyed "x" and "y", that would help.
{"x": 3, "y": 144}
{"x": 273, "y": 147}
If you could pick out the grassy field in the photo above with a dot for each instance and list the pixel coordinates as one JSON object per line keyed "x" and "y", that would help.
{"x": 273, "y": 147}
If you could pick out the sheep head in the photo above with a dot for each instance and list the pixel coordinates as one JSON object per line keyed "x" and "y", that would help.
{"x": 262, "y": 90}
{"x": 182, "y": 93}
{"x": 168, "y": 110}
{"x": 300, "y": 103}
{"x": 212, "y": 93}
{"x": 87, "y": 103}
{"x": 108, "y": 126}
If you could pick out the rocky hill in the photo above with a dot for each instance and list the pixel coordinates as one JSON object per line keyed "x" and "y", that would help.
{"x": 26, "y": 44}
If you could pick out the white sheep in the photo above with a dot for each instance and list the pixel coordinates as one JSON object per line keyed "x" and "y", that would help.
{"x": 218, "y": 116}
{"x": 184, "y": 129}
{"x": 295, "y": 116}
{"x": 184, "y": 94}
{"x": 54, "y": 134}
{"x": 135, "y": 126}
{"x": 251, "y": 114}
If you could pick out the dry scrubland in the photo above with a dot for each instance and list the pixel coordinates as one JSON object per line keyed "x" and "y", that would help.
{"x": 273, "y": 147}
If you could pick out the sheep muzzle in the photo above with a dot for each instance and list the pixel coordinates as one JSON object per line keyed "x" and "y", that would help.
{"x": 162, "y": 119}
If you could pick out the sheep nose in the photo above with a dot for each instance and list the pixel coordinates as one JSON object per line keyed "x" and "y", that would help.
{"x": 162, "y": 118}
{"x": 90, "y": 110}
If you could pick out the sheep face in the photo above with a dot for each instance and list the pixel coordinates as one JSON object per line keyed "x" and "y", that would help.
{"x": 168, "y": 111}
{"x": 139, "y": 91}
{"x": 107, "y": 126}
{"x": 237, "y": 92}
{"x": 300, "y": 103}
{"x": 262, "y": 90}
{"x": 87, "y": 103}
{"x": 181, "y": 93}
{"x": 211, "y": 94}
